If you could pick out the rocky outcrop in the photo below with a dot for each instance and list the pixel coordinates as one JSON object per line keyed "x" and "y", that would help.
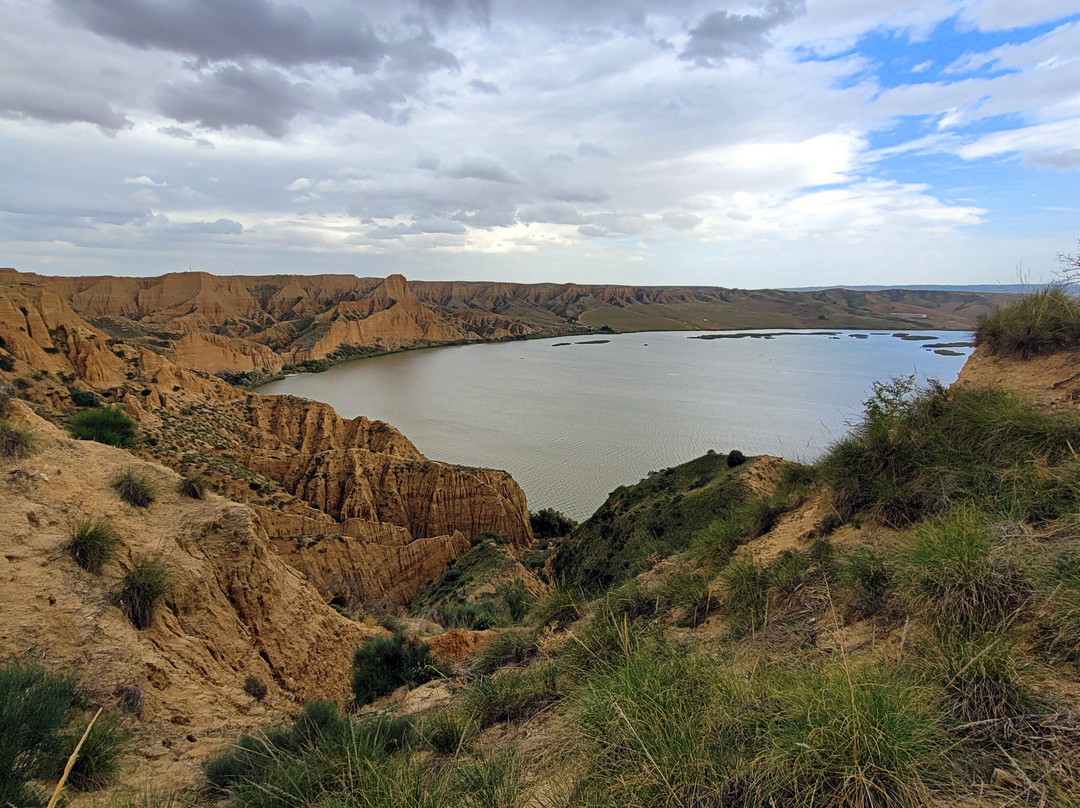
{"x": 234, "y": 608}
{"x": 213, "y": 352}
{"x": 1050, "y": 382}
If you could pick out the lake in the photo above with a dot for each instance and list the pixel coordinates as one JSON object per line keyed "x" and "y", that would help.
{"x": 573, "y": 421}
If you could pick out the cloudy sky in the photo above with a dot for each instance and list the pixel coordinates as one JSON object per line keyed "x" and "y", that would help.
{"x": 723, "y": 142}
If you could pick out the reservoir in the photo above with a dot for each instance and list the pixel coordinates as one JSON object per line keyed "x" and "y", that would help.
{"x": 572, "y": 418}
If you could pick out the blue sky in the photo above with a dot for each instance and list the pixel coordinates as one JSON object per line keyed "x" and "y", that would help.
{"x": 766, "y": 143}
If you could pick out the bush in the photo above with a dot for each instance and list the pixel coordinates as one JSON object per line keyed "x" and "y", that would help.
{"x": 92, "y": 542}
{"x": 735, "y": 458}
{"x": 99, "y": 758}
{"x": 475, "y": 616}
{"x": 134, "y": 488}
{"x": 144, "y": 585}
{"x": 559, "y": 606}
{"x": 109, "y": 425}
{"x": 714, "y": 546}
{"x": 255, "y": 687}
{"x": 7, "y": 363}
{"x": 1039, "y": 323}
{"x": 958, "y": 577}
{"x": 864, "y": 575}
{"x": 42, "y": 717}
{"x": 15, "y": 443}
{"x": 548, "y": 523}
{"x": 513, "y": 696}
{"x": 384, "y": 664}
{"x": 744, "y": 596}
{"x": 194, "y": 487}
{"x": 917, "y": 453}
{"x": 508, "y": 648}
{"x": 848, "y": 739}
{"x": 84, "y": 398}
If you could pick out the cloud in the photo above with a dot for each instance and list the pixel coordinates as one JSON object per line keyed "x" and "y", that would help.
{"x": 721, "y": 35}
{"x": 482, "y": 168}
{"x": 681, "y": 221}
{"x": 233, "y": 96}
{"x": 59, "y": 105}
{"x": 281, "y": 33}
{"x": 485, "y": 87}
{"x": 592, "y": 150}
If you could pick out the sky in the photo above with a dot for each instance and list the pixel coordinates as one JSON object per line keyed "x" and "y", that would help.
{"x": 732, "y": 143}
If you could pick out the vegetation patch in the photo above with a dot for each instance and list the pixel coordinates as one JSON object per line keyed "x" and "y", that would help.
{"x": 92, "y": 542}
{"x": 15, "y": 443}
{"x": 656, "y": 517}
{"x": 144, "y": 585}
{"x": 134, "y": 488}
{"x": 42, "y": 717}
{"x": 1042, "y": 322}
{"x": 918, "y": 452}
{"x": 384, "y": 664}
{"x": 109, "y": 425}
{"x": 195, "y": 486}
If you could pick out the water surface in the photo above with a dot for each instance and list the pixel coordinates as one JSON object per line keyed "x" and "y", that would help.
{"x": 573, "y": 421}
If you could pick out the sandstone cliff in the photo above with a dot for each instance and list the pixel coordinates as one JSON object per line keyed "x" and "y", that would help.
{"x": 310, "y": 472}
{"x": 234, "y": 608}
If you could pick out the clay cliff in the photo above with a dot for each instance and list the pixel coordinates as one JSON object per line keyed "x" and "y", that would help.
{"x": 234, "y": 609}
{"x": 309, "y": 471}
{"x": 262, "y": 324}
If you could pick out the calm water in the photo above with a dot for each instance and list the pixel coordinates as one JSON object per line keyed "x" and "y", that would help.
{"x": 573, "y": 422}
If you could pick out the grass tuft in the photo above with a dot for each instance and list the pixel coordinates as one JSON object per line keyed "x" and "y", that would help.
{"x": 15, "y": 443}
{"x": 195, "y": 486}
{"x": 134, "y": 488}
{"x": 146, "y": 583}
{"x": 1039, "y": 323}
{"x": 92, "y": 542}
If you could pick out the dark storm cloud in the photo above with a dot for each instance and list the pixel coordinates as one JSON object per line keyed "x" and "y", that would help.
{"x": 721, "y": 35}
{"x": 236, "y": 96}
{"x": 59, "y": 106}
{"x": 281, "y": 33}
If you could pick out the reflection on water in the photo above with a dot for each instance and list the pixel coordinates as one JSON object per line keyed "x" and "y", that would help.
{"x": 572, "y": 422}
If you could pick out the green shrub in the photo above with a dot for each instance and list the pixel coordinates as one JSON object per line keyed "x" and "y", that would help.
{"x": 146, "y": 583}
{"x": 980, "y": 679}
{"x": 109, "y": 425}
{"x": 745, "y": 600}
{"x": 688, "y": 591}
{"x": 558, "y": 605}
{"x": 548, "y": 523}
{"x": 134, "y": 488}
{"x": 42, "y": 717}
{"x": 508, "y": 648}
{"x": 92, "y": 542}
{"x": 194, "y": 486}
{"x": 84, "y": 398}
{"x": 512, "y": 696}
{"x": 447, "y": 732}
{"x": 917, "y": 453}
{"x": 735, "y": 458}
{"x": 475, "y": 616}
{"x": 99, "y": 759}
{"x": 864, "y": 575}
{"x": 255, "y": 687}
{"x": 7, "y": 363}
{"x": 384, "y": 664}
{"x": 662, "y": 728}
{"x": 15, "y": 443}
{"x": 1039, "y": 323}
{"x": 713, "y": 546}
{"x": 847, "y": 738}
{"x": 958, "y": 576}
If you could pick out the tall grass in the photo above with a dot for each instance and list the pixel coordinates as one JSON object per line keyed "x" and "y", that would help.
{"x": 384, "y": 664}
{"x": 1039, "y": 323}
{"x": 15, "y": 443}
{"x": 134, "y": 488}
{"x": 109, "y": 425}
{"x": 92, "y": 542}
{"x": 144, "y": 585}
{"x": 917, "y": 453}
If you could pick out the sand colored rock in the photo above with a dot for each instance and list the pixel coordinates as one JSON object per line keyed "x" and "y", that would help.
{"x": 234, "y": 608}
{"x": 1052, "y": 382}
{"x": 213, "y": 352}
